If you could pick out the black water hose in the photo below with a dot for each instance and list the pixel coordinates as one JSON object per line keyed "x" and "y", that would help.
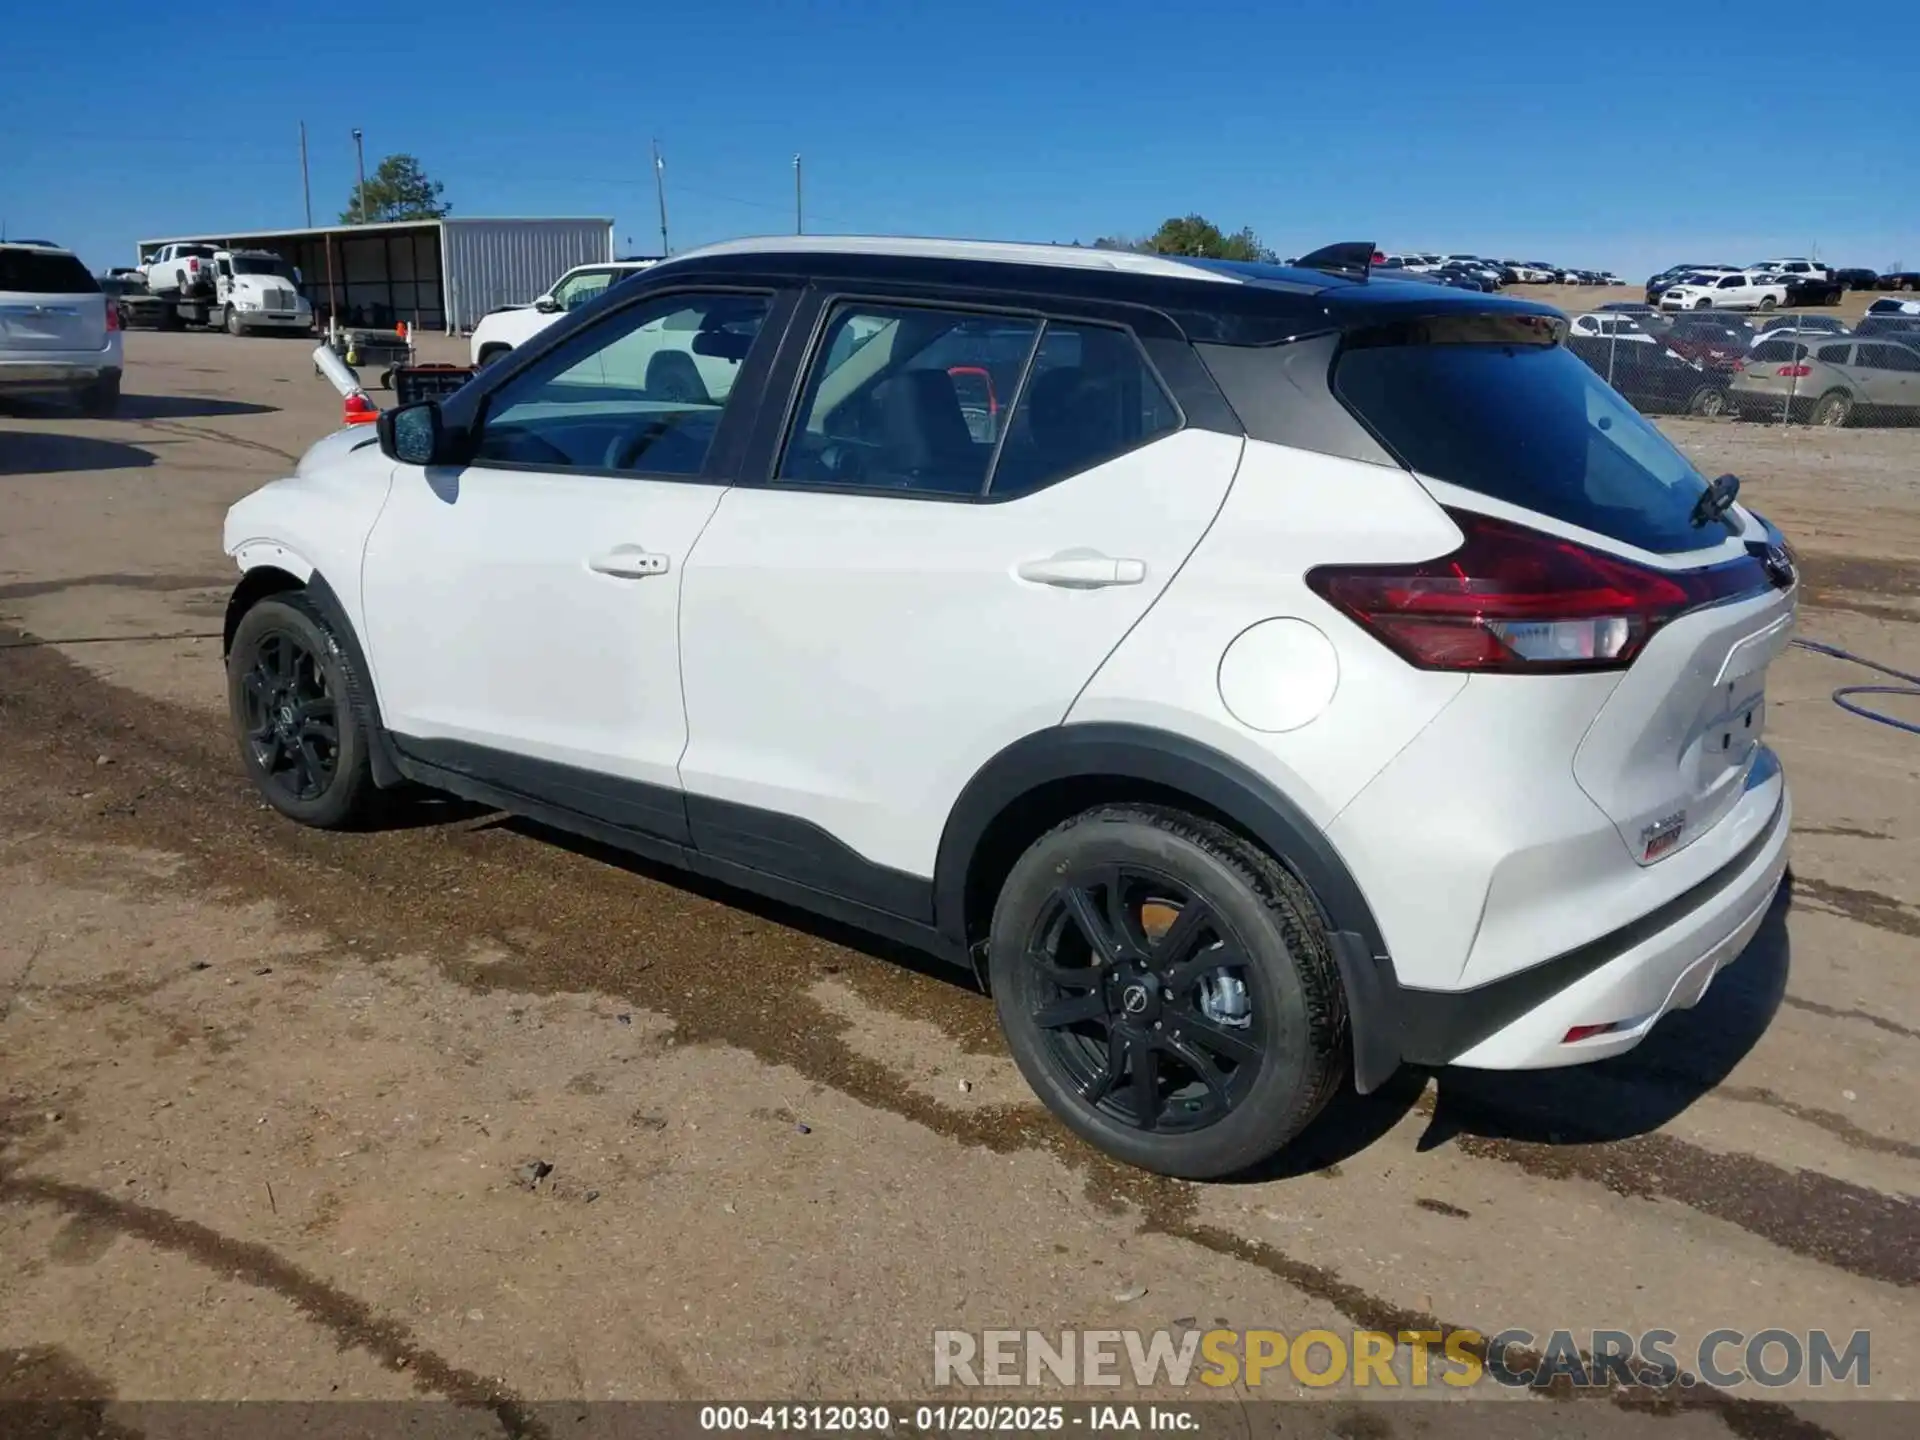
{"x": 1843, "y": 697}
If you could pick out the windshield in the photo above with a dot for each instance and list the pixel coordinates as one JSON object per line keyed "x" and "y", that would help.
{"x": 261, "y": 265}
{"x": 1532, "y": 425}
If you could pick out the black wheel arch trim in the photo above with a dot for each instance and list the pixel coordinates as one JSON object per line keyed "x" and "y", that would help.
{"x": 1161, "y": 758}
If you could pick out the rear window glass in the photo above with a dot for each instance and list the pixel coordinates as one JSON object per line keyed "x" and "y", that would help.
{"x": 1531, "y": 425}
{"x": 1779, "y": 350}
{"x": 45, "y": 272}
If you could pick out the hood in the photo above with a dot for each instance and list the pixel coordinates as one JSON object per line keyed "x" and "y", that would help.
{"x": 327, "y": 452}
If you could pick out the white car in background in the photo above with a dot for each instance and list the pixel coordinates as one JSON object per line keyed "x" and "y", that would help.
{"x": 1737, "y": 290}
{"x": 1611, "y": 327}
{"x": 513, "y": 325}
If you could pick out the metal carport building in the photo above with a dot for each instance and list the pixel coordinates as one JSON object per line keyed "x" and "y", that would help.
{"x": 436, "y": 274}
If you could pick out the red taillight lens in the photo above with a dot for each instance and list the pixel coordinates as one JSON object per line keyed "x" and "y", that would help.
{"x": 113, "y": 315}
{"x": 1513, "y": 599}
{"x": 193, "y": 265}
{"x": 358, "y": 410}
{"x": 1796, "y": 372}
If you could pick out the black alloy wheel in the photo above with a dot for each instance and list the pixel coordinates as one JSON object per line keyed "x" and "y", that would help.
{"x": 1168, "y": 988}
{"x": 1146, "y": 1002}
{"x": 292, "y": 718}
{"x": 298, "y": 711}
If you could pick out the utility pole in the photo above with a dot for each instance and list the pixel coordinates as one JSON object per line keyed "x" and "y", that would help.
{"x": 306, "y": 184}
{"x": 660, "y": 189}
{"x": 798, "y": 228}
{"x": 360, "y": 154}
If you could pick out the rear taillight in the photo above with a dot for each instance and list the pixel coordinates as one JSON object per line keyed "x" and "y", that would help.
{"x": 1513, "y": 599}
{"x": 357, "y": 409}
{"x": 1795, "y": 372}
{"x": 193, "y": 266}
{"x": 113, "y": 315}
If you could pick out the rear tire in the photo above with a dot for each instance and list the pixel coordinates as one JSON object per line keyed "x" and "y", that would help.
{"x": 101, "y": 400}
{"x": 494, "y": 353}
{"x": 1216, "y": 1011}
{"x": 1767, "y": 302}
{"x": 300, "y": 717}
{"x": 1834, "y": 410}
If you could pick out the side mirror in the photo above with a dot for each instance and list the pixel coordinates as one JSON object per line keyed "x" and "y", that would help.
{"x": 547, "y": 305}
{"x": 414, "y": 434}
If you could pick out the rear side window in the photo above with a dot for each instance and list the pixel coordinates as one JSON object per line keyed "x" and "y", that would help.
{"x": 1835, "y": 354}
{"x": 1531, "y": 425}
{"x": 45, "y": 272}
{"x": 1091, "y": 396}
{"x": 961, "y": 403}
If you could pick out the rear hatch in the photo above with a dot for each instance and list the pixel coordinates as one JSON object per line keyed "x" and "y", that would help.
{"x": 48, "y": 301}
{"x": 1686, "y": 597}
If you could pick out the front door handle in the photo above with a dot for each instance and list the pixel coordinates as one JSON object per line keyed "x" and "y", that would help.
{"x": 1082, "y": 570}
{"x": 629, "y": 562}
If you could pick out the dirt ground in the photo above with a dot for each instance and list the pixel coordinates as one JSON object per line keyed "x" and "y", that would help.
{"x": 268, "y": 1096}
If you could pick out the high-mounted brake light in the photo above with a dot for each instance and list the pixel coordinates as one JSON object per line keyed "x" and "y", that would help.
{"x": 1516, "y": 600}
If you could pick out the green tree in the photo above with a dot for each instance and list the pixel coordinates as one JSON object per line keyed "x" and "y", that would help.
{"x": 398, "y": 189}
{"x": 1199, "y": 236}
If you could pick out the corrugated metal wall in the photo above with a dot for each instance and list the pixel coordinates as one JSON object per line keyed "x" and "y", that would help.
{"x": 490, "y": 263}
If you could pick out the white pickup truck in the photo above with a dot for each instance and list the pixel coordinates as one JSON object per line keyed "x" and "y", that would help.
{"x": 237, "y": 290}
{"x": 180, "y": 271}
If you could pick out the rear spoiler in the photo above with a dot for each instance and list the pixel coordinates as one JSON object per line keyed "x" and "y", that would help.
{"x": 1352, "y": 258}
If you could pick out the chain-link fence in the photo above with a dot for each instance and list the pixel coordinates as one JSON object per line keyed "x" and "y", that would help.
{"x": 1778, "y": 365}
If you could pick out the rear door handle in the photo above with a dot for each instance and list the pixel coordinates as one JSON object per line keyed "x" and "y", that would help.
{"x": 629, "y": 562}
{"x": 1082, "y": 570}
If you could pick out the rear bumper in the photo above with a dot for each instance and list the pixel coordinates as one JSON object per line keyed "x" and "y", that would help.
{"x": 57, "y": 372}
{"x": 1628, "y": 978}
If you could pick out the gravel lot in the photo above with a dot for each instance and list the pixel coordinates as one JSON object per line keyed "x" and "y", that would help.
{"x": 268, "y": 1095}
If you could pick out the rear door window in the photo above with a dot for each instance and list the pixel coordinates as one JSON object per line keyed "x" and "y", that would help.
{"x": 45, "y": 272}
{"x": 1529, "y": 424}
{"x": 1890, "y": 357}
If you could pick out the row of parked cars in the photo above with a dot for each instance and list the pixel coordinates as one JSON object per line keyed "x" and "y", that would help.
{"x": 1477, "y": 272}
{"x": 1781, "y": 364}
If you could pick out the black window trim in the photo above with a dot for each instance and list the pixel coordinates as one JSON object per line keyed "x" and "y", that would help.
{"x": 717, "y": 468}
{"x": 827, "y": 300}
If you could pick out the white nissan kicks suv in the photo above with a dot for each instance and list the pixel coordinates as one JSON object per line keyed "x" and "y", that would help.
{"x": 1257, "y": 674}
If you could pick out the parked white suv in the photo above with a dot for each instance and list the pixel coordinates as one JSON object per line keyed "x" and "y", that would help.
{"x": 59, "y": 335}
{"x": 511, "y": 326}
{"x": 1245, "y": 707}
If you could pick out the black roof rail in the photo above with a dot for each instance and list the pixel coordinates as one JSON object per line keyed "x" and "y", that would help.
{"x": 1353, "y": 258}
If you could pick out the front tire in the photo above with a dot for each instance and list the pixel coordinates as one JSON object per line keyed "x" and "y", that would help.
{"x": 298, "y": 714}
{"x": 231, "y": 321}
{"x": 1168, "y": 989}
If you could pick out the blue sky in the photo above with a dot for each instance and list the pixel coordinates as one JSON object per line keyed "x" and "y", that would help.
{"x": 1497, "y": 129}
